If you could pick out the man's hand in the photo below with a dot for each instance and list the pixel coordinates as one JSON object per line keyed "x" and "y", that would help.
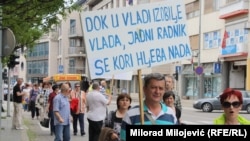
{"x": 114, "y": 136}
{"x": 61, "y": 120}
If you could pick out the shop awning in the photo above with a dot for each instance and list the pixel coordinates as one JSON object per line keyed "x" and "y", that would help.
{"x": 46, "y": 79}
{"x": 208, "y": 68}
{"x": 187, "y": 69}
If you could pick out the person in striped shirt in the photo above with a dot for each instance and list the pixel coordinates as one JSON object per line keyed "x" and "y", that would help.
{"x": 155, "y": 112}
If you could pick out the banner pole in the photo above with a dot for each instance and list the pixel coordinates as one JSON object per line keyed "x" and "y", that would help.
{"x": 141, "y": 96}
{"x": 111, "y": 85}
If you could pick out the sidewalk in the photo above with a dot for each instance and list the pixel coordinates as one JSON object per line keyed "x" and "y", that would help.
{"x": 8, "y": 134}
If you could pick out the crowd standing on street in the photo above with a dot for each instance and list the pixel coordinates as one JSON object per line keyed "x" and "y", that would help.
{"x": 168, "y": 99}
{"x": 50, "y": 112}
{"x": 79, "y": 114}
{"x": 42, "y": 99}
{"x": 96, "y": 111}
{"x": 114, "y": 119}
{"x": 161, "y": 106}
{"x": 62, "y": 117}
{"x": 18, "y": 106}
{"x": 170, "y": 87}
{"x": 231, "y": 101}
{"x": 34, "y": 92}
{"x": 27, "y": 88}
{"x": 155, "y": 112}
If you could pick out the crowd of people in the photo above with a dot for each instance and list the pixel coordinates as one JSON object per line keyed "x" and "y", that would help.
{"x": 161, "y": 106}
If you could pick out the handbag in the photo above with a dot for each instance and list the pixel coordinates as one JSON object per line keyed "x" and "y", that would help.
{"x": 74, "y": 104}
{"x": 45, "y": 122}
{"x": 105, "y": 134}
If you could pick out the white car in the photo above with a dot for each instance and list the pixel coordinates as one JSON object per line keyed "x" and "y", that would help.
{"x": 5, "y": 93}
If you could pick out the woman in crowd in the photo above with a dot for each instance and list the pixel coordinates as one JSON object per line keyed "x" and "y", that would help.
{"x": 169, "y": 99}
{"x": 34, "y": 92}
{"x": 55, "y": 89}
{"x": 27, "y": 88}
{"x": 78, "y": 115}
{"x": 114, "y": 119}
{"x": 42, "y": 99}
{"x": 231, "y": 102}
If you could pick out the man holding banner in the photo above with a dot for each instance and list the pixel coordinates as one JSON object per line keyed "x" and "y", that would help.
{"x": 155, "y": 112}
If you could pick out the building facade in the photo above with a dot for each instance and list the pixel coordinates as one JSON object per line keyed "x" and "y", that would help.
{"x": 224, "y": 64}
{"x": 212, "y": 68}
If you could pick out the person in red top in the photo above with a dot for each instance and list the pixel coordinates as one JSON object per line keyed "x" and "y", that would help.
{"x": 55, "y": 89}
{"x": 79, "y": 114}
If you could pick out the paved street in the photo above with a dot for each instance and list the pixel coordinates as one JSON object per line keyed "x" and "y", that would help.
{"x": 189, "y": 116}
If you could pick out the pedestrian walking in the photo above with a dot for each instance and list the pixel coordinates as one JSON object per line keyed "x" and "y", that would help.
{"x": 26, "y": 99}
{"x": 96, "y": 111}
{"x": 34, "y": 92}
{"x": 42, "y": 99}
{"x": 18, "y": 106}
{"x": 52, "y": 95}
{"x": 62, "y": 117}
{"x": 79, "y": 114}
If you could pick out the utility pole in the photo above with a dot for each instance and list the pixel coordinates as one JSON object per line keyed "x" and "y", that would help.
{"x": 199, "y": 54}
{"x": 8, "y": 96}
{"x": 1, "y": 80}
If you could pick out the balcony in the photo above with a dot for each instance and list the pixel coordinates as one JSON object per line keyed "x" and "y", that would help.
{"x": 234, "y": 9}
{"x": 234, "y": 50}
{"x": 76, "y": 51}
{"x": 92, "y": 2}
{"x": 77, "y": 70}
{"x": 74, "y": 33}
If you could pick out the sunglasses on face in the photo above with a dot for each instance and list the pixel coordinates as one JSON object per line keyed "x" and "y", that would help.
{"x": 235, "y": 104}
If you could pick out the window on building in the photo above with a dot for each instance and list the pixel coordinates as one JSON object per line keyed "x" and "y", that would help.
{"x": 194, "y": 42}
{"x": 212, "y": 39}
{"x": 60, "y": 29}
{"x": 72, "y": 63}
{"x": 230, "y": 1}
{"x": 60, "y": 47}
{"x": 40, "y": 50}
{"x": 211, "y": 6}
{"x": 72, "y": 26}
{"x": 143, "y": 1}
{"x": 212, "y": 86}
{"x": 193, "y": 9}
{"x": 72, "y": 43}
{"x": 37, "y": 67}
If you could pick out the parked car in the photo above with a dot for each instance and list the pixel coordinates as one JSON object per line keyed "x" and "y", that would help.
{"x": 6, "y": 94}
{"x": 210, "y": 104}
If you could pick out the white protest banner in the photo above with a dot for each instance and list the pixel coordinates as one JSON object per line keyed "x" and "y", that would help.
{"x": 120, "y": 76}
{"x": 130, "y": 38}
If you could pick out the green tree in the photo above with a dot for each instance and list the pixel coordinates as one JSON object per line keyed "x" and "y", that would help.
{"x": 30, "y": 19}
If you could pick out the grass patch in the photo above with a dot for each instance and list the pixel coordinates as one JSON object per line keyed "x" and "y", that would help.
{"x": 31, "y": 134}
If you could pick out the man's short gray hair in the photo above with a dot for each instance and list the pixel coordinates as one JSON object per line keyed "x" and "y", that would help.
{"x": 95, "y": 86}
{"x": 151, "y": 76}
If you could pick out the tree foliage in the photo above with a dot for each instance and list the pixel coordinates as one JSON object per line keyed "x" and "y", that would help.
{"x": 30, "y": 19}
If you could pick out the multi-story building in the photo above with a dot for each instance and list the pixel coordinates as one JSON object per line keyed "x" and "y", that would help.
{"x": 207, "y": 21}
{"x": 224, "y": 65}
{"x": 40, "y": 62}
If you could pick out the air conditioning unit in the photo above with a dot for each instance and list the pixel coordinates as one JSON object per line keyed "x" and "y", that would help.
{"x": 247, "y": 25}
{"x": 235, "y": 68}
